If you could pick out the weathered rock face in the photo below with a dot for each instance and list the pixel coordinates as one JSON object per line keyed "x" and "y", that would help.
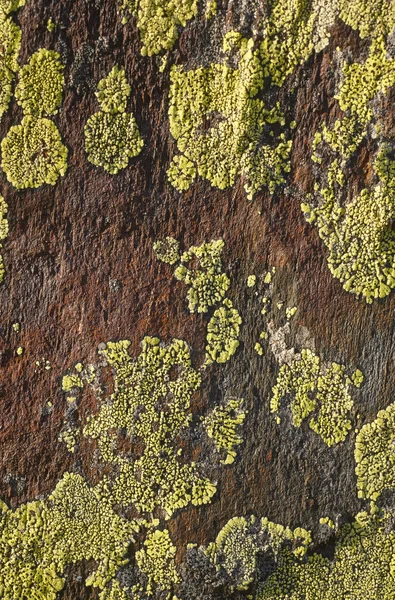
{"x": 203, "y": 133}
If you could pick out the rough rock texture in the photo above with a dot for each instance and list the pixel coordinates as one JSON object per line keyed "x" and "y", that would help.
{"x": 80, "y": 269}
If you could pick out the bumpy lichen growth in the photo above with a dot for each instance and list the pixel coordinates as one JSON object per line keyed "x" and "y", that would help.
{"x": 238, "y": 543}
{"x": 362, "y": 568}
{"x": 10, "y": 43}
{"x": 218, "y": 124}
{"x": 309, "y": 385}
{"x": 207, "y": 283}
{"x": 112, "y": 137}
{"x": 235, "y": 549}
{"x": 167, "y": 250}
{"x": 375, "y": 457}
{"x": 33, "y": 153}
{"x": 40, "y": 86}
{"x": 222, "y": 426}
{"x": 223, "y": 333}
{"x": 113, "y": 91}
{"x": 39, "y": 539}
{"x": 158, "y": 21}
{"x": 157, "y": 560}
{"x": 358, "y": 233}
{"x": 3, "y": 231}
{"x": 151, "y": 402}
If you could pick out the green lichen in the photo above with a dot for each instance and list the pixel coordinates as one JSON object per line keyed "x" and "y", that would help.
{"x": 374, "y": 455}
{"x": 311, "y": 386}
{"x": 222, "y": 426}
{"x": 158, "y": 21}
{"x": 211, "y": 9}
{"x": 111, "y": 135}
{"x": 251, "y": 280}
{"x": 113, "y": 91}
{"x": 167, "y": 250}
{"x": 51, "y": 25}
{"x": 157, "y": 561}
{"x": 33, "y": 153}
{"x": 41, "y": 82}
{"x": 10, "y": 43}
{"x": 218, "y": 123}
{"x": 358, "y": 232}
{"x": 223, "y": 331}
{"x": 237, "y": 545}
{"x": 3, "y": 231}
{"x": 9, "y": 6}
{"x": 114, "y": 592}
{"x": 362, "y": 568}
{"x": 145, "y": 387}
{"x": 359, "y": 236}
{"x": 235, "y": 549}
{"x": 207, "y": 283}
{"x": 40, "y": 539}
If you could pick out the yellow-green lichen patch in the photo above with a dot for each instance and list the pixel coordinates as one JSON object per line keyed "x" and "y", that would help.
{"x": 3, "y": 231}
{"x": 167, "y": 250}
{"x": 114, "y": 592}
{"x": 10, "y": 43}
{"x": 9, "y": 6}
{"x": 207, "y": 283}
{"x": 235, "y": 549}
{"x": 39, "y": 539}
{"x": 238, "y": 543}
{"x": 362, "y": 82}
{"x": 311, "y": 386}
{"x": 359, "y": 236}
{"x": 158, "y": 21}
{"x": 218, "y": 123}
{"x": 33, "y": 153}
{"x": 111, "y": 135}
{"x": 362, "y": 568}
{"x": 157, "y": 561}
{"x": 374, "y": 455}
{"x": 151, "y": 403}
{"x": 222, "y": 426}
{"x": 223, "y": 333}
{"x": 288, "y": 38}
{"x": 113, "y": 91}
{"x": 251, "y": 280}
{"x": 41, "y": 82}
{"x": 70, "y": 437}
{"x": 369, "y": 17}
{"x": 51, "y": 25}
{"x": 19, "y": 351}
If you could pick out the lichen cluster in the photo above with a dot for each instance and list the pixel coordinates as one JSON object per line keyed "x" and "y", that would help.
{"x": 39, "y": 539}
{"x": 33, "y": 152}
{"x": 153, "y": 407}
{"x": 375, "y": 456}
{"x": 235, "y": 550}
{"x": 219, "y": 123}
{"x": 10, "y": 43}
{"x": 158, "y": 21}
{"x": 157, "y": 560}
{"x": 222, "y": 425}
{"x": 3, "y": 231}
{"x": 112, "y": 137}
{"x": 223, "y": 332}
{"x": 310, "y": 385}
{"x": 362, "y": 567}
{"x": 200, "y": 268}
{"x": 358, "y": 232}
